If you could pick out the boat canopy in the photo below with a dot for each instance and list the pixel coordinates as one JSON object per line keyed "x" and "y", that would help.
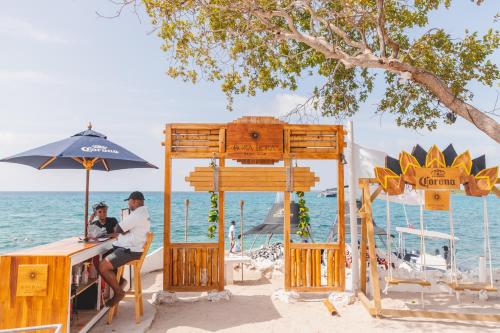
{"x": 273, "y": 223}
{"x": 426, "y": 233}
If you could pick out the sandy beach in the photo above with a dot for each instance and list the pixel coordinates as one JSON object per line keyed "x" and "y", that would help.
{"x": 253, "y": 309}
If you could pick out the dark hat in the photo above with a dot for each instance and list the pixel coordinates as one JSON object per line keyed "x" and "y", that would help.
{"x": 136, "y": 195}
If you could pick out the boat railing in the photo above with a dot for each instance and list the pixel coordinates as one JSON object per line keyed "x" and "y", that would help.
{"x": 57, "y": 328}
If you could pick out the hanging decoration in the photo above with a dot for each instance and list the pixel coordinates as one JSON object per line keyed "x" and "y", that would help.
{"x": 303, "y": 216}
{"x": 213, "y": 214}
{"x": 443, "y": 168}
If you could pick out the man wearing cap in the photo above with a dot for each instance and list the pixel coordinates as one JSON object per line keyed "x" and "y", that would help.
{"x": 131, "y": 236}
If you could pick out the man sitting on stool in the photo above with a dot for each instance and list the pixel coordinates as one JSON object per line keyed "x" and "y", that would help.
{"x": 131, "y": 236}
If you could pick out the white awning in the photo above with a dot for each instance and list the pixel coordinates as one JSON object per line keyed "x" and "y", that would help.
{"x": 426, "y": 233}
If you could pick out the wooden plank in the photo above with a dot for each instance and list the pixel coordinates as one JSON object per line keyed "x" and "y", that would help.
{"x": 194, "y": 245}
{"x": 192, "y": 267}
{"x": 336, "y": 271}
{"x": 313, "y": 150}
{"x": 367, "y": 303}
{"x": 195, "y": 137}
{"x": 197, "y": 267}
{"x": 215, "y": 265}
{"x": 341, "y": 217}
{"x": 294, "y": 268}
{"x": 298, "y": 265}
{"x": 307, "y": 128}
{"x": 209, "y": 267}
{"x": 371, "y": 248}
{"x": 314, "y": 156}
{"x": 221, "y": 238}
{"x": 308, "y": 268}
{"x": 191, "y": 143}
{"x": 203, "y": 267}
{"x": 286, "y": 230}
{"x": 222, "y": 140}
{"x": 393, "y": 281}
{"x": 252, "y": 189}
{"x": 318, "y": 267}
{"x": 197, "y": 155}
{"x": 330, "y": 268}
{"x": 313, "y": 138}
{"x": 195, "y": 149}
{"x": 312, "y": 144}
{"x": 320, "y": 246}
{"x": 304, "y": 267}
{"x": 313, "y": 268}
{"x": 315, "y": 289}
{"x": 167, "y": 197}
{"x": 362, "y": 249}
{"x": 174, "y": 267}
{"x": 180, "y": 269}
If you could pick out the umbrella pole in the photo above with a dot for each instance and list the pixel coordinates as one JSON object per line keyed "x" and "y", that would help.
{"x": 241, "y": 234}
{"x": 87, "y": 172}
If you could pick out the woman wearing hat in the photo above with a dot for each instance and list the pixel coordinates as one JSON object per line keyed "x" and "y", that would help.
{"x": 103, "y": 225}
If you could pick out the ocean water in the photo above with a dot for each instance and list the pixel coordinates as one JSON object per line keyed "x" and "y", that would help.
{"x": 34, "y": 218}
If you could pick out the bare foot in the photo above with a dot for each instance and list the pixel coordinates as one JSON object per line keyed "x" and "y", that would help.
{"x": 115, "y": 299}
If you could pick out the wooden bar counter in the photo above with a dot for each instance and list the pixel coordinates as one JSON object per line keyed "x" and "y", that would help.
{"x": 36, "y": 285}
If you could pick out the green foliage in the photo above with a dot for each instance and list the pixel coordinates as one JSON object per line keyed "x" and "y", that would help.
{"x": 246, "y": 46}
{"x": 304, "y": 218}
{"x": 213, "y": 214}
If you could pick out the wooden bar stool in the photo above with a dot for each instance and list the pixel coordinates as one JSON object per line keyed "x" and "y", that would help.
{"x": 136, "y": 290}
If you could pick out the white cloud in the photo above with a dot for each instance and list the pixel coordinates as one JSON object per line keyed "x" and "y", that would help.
{"x": 27, "y": 76}
{"x": 19, "y": 28}
{"x": 284, "y": 103}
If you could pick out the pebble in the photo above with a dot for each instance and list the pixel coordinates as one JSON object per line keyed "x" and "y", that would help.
{"x": 271, "y": 252}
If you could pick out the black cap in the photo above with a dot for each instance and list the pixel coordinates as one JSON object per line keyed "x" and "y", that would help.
{"x": 136, "y": 195}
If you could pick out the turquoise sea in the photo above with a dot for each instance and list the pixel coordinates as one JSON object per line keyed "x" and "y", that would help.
{"x": 34, "y": 218}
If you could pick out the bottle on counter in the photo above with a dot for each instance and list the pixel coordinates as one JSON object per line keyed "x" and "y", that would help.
{"x": 92, "y": 271}
{"x": 85, "y": 273}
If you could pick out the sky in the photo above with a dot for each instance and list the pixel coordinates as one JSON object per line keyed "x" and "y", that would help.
{"x": 61, "y": 66}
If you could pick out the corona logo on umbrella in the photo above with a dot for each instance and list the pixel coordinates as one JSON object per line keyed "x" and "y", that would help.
{"x": 436, "y": 169}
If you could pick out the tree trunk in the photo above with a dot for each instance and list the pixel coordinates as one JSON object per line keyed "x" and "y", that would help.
{"x": 439, "y": 89}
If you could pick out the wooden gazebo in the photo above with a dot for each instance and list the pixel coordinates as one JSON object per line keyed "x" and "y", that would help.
{"x": 252, "y": 141}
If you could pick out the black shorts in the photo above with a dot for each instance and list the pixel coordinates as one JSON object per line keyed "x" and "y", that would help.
{"x": 119, "y": 256}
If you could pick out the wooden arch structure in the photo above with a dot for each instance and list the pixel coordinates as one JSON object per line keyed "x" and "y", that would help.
{"x": 435, "y": 172}
{"x": 252, "y": 141}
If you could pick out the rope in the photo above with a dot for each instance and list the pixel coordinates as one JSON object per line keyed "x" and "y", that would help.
{"x": 422, "y": 239}
{"x": 388, "y": 233}
{"x": 452, "y": 245}
{"x": 487, "y": 235}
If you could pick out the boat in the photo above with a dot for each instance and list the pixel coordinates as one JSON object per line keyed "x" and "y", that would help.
{"x": 329, "y": 193}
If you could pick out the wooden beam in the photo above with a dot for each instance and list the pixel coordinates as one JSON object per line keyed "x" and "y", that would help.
{"x": 371, "y": 249}
{"x": 341, "y": 216}
{"x": 376, "y": 193}
{"x": 167, "y": 198}
{"x": 221, "y": 237}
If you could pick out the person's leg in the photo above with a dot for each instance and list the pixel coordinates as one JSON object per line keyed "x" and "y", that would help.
{"x": 231, "y": 246}
{"x": 107, "y": 272}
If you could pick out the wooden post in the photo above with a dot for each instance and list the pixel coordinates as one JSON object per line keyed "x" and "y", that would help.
{"x": 362, "y": 247}
{"x": 241, "y": 234}
{"x": 341, "y": 208}
{"x": 286, "y": 221}
{"x": 371, "y": 248}
{"x": 222, "y": 253}
{"x": 286, "y": 235}
{"x": 87, "y": 184}
{"x": 167, "y": 207}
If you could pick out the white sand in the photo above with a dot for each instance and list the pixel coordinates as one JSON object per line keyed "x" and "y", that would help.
{"x": 251, "y": 309}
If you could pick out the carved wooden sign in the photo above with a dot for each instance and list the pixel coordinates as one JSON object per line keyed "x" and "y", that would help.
{"x": 437, "y": 178}
{"x": 437, "y": 200}
{"x": 32, "y": 280}
{"x": 254, "y": 141}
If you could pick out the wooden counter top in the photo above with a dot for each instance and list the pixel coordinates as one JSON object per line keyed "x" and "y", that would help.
{"x": 65, "y": 247}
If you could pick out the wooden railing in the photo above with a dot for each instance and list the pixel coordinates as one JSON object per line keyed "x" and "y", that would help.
{"x": 194, "y": 266}
{"x": 306, "y": 260}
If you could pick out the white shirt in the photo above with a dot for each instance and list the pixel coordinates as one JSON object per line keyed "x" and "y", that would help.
{"x": 138, "y": 224}
{"x": 231, "y": 232}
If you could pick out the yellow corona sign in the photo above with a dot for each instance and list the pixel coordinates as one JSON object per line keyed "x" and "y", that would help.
{"x": 437, "y": 178}
{"x": 437, "y": 200}
{"x": 32, "y": 280}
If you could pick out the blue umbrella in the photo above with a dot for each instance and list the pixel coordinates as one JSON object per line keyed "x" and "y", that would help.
{"x": 87, "y": 150}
